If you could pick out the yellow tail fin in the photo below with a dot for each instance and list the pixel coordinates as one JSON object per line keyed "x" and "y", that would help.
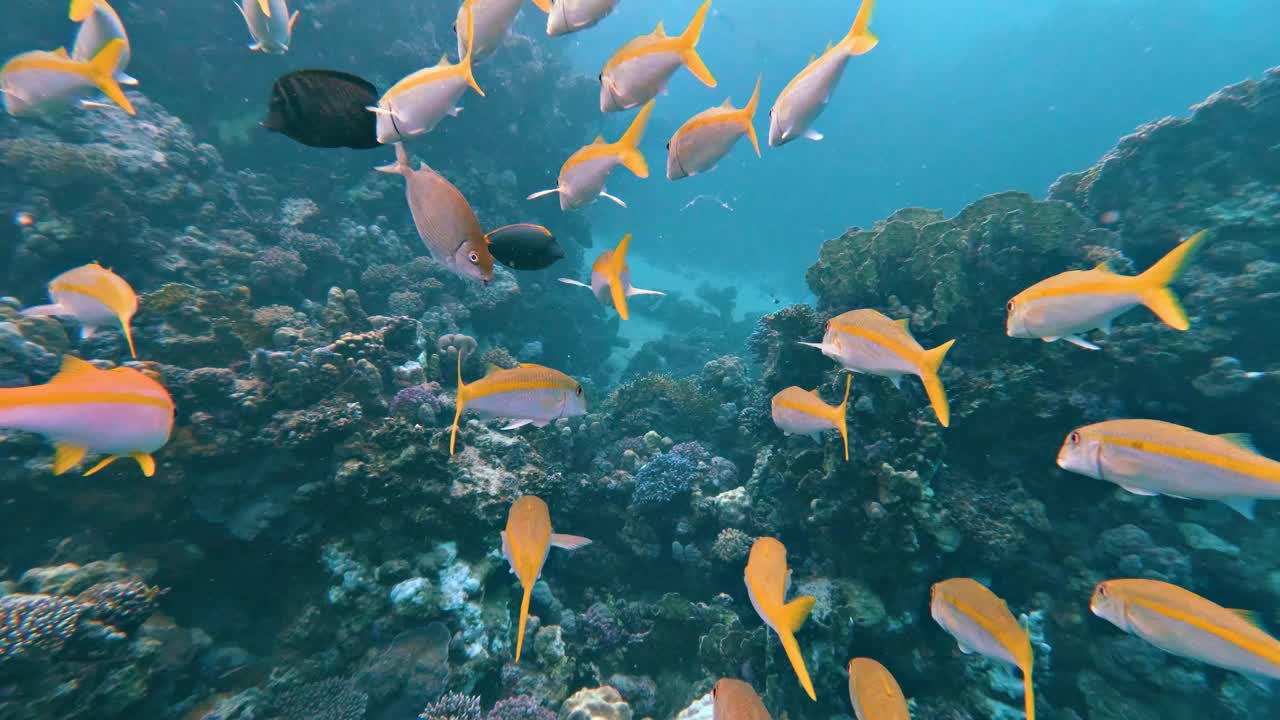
{"x": 101, "y": 70}
{"x": 618, "y": 263}
{"x": 628, "y": 145}
{"x": 792, "y": 649}
{"x": 690, "y": 39}
{"x": 80, "y": 10}
{"x": 749, "y": 116}
{"x": 524, "y": 617}
{"x": 128, "y": 336}
{"x": 1155, "y": 281}
{"x": 929, "y": 364}
{"x": 543, "y": 5}
{"x": 839, "y": 417}
{"x": 465, "y": 62}
{"x": 1028, "y": 691}
{"x": 860, "y": 39}
{"x": 461, "y": 403}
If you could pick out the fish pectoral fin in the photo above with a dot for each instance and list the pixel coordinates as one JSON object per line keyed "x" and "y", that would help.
{"x": 965, "y": 648}
{"x": 94, "y": 105}
{"x": 896, "y": 380}
{"x": 455, "y": 112}
{"x": 145, "y": 462}
{"x": 568, "y": 542}
{"x": 105, "y": 462}
{"x": 126, "y": 79}
{"x": 605, "y": 194}
{"x": 292, "y": 19}
{"x": 821, "y": 346}
{"x": 1081, "y": 342}
{"x": 543, "y": 193}
{"x": 256, "y": 46}
{"x": 53, "y": 309}
{"x": 796, "y": 612}
{"x": 814, "y": 135}
{"x": 567, "y": 281}
{"x": 514, "y": 424}
{"x": 641, "y": 291}
{"x": 1242, "y": 505}
{"x": 1139, "y": 491}
{"x": 67, "y": 456}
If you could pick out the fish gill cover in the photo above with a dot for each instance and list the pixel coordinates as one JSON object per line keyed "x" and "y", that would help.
{"x": 308, "y": 549}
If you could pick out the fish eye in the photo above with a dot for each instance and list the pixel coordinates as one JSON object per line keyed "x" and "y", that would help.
{"x": 1074, "y": 438}
{"x": 1009, "y": 306}
{"x": 578, "y": 392}
{"x": 454, "y": 26}
{"x": 473, "y": 257}
{"x": 1102, "y": 590}
{"x": 600, "y": 77}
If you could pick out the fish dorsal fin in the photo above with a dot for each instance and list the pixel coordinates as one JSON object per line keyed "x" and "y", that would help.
{"x": 491, "y": 369}
{"x": 828, "y": 47}
{"x": 73, "y": 368}
{"x": 1104, "y": 266}
{"x": 62, "y": 52}
{"x": 1244, "y": 441}
{"x": 814, "y": 392}
{"x": 444, "y": 59}
{"x": 1248, "y": 616}
{"x": 728, "y": 103}
{"x": 812, "y": 58}
{"x": 598, "y": 141}
{"x": 659, "y": 31}
{"x": 904, "y": 323}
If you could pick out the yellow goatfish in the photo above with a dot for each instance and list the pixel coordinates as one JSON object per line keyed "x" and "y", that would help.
{"x": 1072, "y": 303}
{"x": 867, "y": 341}
{"x": 418, "y": 102}
{"x": 270, "y": 24}
{"x": 95, "y": 297}
{"x": 611, "y": 279}
{"x": 493, "y": 19}
{"x": 528, "y": 394}
{"x": 1150, "y": 457}
{"x": 120, "y": 412}
{"x": 38, "y": 81}
{"x": 797, "y": 412}
{"x": 981, "y": 623}
{"x": 99, "y": 25}
{"x": 569, "y": 16}
{"x": 1181, "y": 622}
{"x": 583, "y": 175}
{"x": 874, "y": 692}
{"x": 525, "y": 544}
{"x": 768, "y": 580}
{"x": 736, "y": 700}
{"x": 805, "y": 97}
{"x": 639, "y": 70}
{"x": 707, "y": 137}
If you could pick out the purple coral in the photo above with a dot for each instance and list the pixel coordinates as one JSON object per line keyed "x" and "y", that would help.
{"x": 453, "y": 706}
{"x": 601, "y": 628}
{"x": 418, "y": 402}
{"x": 668, "y": 478}
{"x": 520, "y": 707}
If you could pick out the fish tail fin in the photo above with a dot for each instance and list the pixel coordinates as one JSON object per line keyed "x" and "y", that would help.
{"x": 461, "y": 403}
{"x": 524, "y": 617}
{"x": 145, "y": 462}
{"x": 128, "y": 336}
{"x": 839, "y": 416}
{"x": 629, "y": 144}
{"x": 400, "y": 166}
{"x": 792, "y": 649}
{"x": 749, "y": 115}
{"x": 1155, "y": 292}
{"x": 102, "y": 71}
{"x": 860, "y": 39}
{"x": 929, "y": 364}
{"x": 690, "y": 55}
{"x": 543, "y": 5}
{"x": 466, "y": 59}
{"x": 1028, "y": 690}
{"x": 80, "y": 10}
{"x": 617, "y": 262}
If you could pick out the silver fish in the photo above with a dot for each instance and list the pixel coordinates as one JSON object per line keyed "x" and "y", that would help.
{"x": 38, "y": 82}
{"x": 639, "y": 70}
{"x": 99, "y": 25}
{"x": 570, "y": 16}
{"x": 270, "y": 24}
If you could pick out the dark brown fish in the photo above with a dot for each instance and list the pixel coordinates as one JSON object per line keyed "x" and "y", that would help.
{"x": 324, "y": 108}
{"x": 525, "y": 246}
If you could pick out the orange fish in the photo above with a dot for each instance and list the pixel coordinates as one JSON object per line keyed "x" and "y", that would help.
{"x": 611, "y": 279}
{"x": 982, "y": 623}
{"x": 768, "y": 579}
{"x": 525, "y": 544}
{"x": 121, "y": 412}
{"x": 736, "y": 700}
{"x": 94, "y": 296}
{"x": 874, "y": 692}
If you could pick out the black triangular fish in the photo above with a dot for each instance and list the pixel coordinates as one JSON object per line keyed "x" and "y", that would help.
{"x": 324, "y": 108}
{"x": 524, "y": 246}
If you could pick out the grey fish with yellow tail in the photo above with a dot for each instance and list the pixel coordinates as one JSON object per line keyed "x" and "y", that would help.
{"x": 611, "y": 279}
{"x": 39, "y": 82}
{"x": 444, "y": 219}
{"x": 583, "y": 175}
{"x": 525, "y": 544}
{"x": 270, "y": 24}
{"x": 570, "y": 16}
{"x": 768, "y": 579}
{"x": 493, "y": 19}
{"x": 99, "y": 25}
{"x": 1150, "y": 457}
{"x": 1068, "y": 305}
{"x": 806, "y": 96}
{"x": 797, "y": 412}
{"x": 736, "y": 700}
{"x": 868, "y": 341}
{"x": 419, "y": 101}
{"x": 981, "y": 623}
{"x": 95, "y": 297}
{"x": 527, "y": 395}
{"x": 704, "y": 139}
{"x": 639, "y": 70}
{"x": 874, "y": 692}
{"x": 1185, "y": 624}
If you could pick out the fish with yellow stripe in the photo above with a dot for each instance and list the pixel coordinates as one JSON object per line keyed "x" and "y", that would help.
{"x": 1183, "y": 623}
{"x": 270, "y": 24}
{"x": 525, "y": 544}
{"x": 419, "y": 101}
{"x": 1070, "y": 304}
{"x": 527, "y": 395}
{"x": 1151, "y": 457}
{"x": 869, "y": 342}
{"x": 611, "y": 279}
{"x": 583, "y": 175}
{"x": 797, "y": 412}
{"x": 99, "y": 25}
{"x": 639, "y": 70}
{"x": 981, "y": 623}
{"x": 95, "y": 297}
{"x": 492, "y": 22}
{"x": 82, "y": 410}
{"x": 805, "y": 97}
{"x": 768, "y": 579}
{"x": 39, "y": 81}
{"x": 874, "y": 692}
{"x": 570, "y": 16}
{"x": 700, "y": 143}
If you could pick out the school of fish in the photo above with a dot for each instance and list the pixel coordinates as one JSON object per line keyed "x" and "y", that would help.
{"x": 125, "y": 412}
